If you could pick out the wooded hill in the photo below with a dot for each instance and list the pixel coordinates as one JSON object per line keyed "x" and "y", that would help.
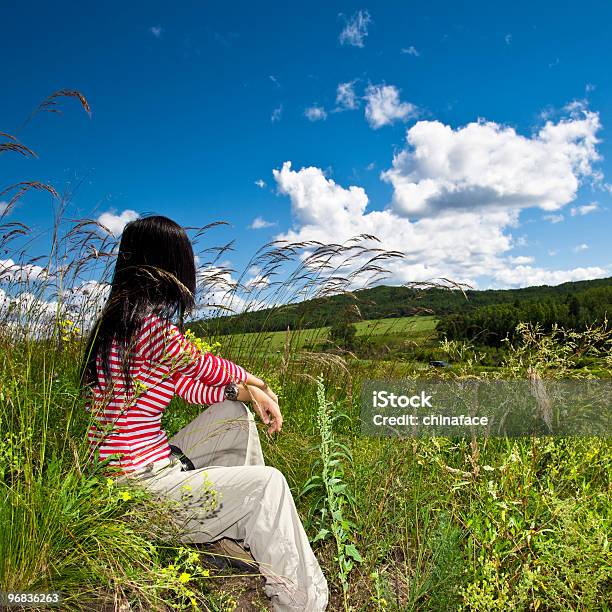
{"x": 387, "y": 301}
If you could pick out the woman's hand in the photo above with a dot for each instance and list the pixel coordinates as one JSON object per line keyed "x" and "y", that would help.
{"x": 266, "y": 406}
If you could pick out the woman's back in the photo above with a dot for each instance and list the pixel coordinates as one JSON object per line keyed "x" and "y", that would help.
{"x": 162, "y": 363}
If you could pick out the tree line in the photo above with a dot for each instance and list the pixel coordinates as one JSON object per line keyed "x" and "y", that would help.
{"x": 489, "y": 325}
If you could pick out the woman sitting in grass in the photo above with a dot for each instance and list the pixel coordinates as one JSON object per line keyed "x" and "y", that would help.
{"x": 136, "y": 360}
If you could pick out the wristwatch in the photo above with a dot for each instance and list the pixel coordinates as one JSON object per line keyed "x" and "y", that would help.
{"x": 231, "y": 391}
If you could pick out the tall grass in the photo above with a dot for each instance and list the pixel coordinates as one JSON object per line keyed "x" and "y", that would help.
{"x": 440, "y": 524}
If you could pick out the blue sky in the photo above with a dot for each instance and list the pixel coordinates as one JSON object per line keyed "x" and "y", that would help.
{"x": 195, "y": 103}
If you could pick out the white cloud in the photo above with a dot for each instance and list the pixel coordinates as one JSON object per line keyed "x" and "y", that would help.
{"x": 524, "y": 276}
{"x": 274, "y": 80}
{"x": 85, "y": 300}
{"x": 222, "y": 294}
{"x": 346, "y": 99}
{"x": 488, "y": 165}
{"x": 256, "y": 281}
{"x": 115, "y": 223}
{"x": 260, "y": 183}
{"x": 580, "y": 247}
{"x": 589, "y": 87}
{"x": 156, "y": 31}
{"x": 554, "y": 218}
{"x": 521, "y": 260}
{"x": 411, "y": 51}
{"x": 277, "y": 113}
{"x": 317, "y": 200}
{"x": 26, "y": 311}
{"x": 13, "y": 272}
{"x": 584, "y": 210}
{"x": 459, "y": 183}
{"x": 356, "y": 29}
{"x": 384, "y": 107}
{"x": 260, "y": 223}
{"x": 315, "y": 113}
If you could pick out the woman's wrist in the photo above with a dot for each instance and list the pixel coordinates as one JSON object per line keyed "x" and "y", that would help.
{"x": 247, "y": 393}
{"x": 254, "y": 381}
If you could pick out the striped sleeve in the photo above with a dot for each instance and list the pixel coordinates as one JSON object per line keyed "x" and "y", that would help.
{"x": 195, "y": 392}
{"x": 163, "y": 343}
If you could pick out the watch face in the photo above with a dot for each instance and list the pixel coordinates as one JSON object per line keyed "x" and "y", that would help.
{"x": 231, "y": 391}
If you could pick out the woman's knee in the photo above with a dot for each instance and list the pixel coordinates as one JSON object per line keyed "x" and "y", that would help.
{"x": 267, "y": 476}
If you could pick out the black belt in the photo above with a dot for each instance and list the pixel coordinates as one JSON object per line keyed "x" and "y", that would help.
{"x": 186, "y": 462}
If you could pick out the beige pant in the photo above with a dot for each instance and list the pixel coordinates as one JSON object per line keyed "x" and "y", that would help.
{"x": 249, "y": 501}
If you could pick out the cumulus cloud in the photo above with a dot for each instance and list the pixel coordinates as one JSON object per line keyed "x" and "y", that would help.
{"x": 260, "y": 183}
{"x": 85, "y": 300}
{"x": 37, "y": 314}
{"x": 356, "y": 29}
{"x": 411, "y": 51}
{"x": 255, "y": 279}
{"x": 220, "y": 293}
{"x": 26, "y": 311}
{"x": 457, "y": 197}
{"x": 523, "y": 276}
{"x": 315, "y": 113}
{"x": 383, "y": 106}
{"x": 580, "y": 247}
{"x": 488, "y": 165}
{"x": 317, "y": 200}
{"x": 156, "y": 31}
{"x": 521, "y": 260}
{"x": 115, "y": 223}
{"x": 260, "y": 223}
{"x": 346, "y": 98}
{"x": 14, "y": 272}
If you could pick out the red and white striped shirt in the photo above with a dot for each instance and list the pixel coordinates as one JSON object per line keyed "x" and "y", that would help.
{"x": 163, "y": 363}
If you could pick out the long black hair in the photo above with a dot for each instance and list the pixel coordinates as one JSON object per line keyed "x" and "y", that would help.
{"x": 154, "y": 272}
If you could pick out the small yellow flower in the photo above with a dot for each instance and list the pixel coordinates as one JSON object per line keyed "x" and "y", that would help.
{"x": 126, "y": 495}
{"x": 187, "y": 487}
{"x": 206, "y": 572}
{"x": 110, "y": 482}
{"x": 172, "y": 567}
{"x": 193, "y": 557}
{"x": 184, "y": 577}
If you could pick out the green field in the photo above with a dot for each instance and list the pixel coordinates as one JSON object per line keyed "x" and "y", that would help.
{"x": 416, "y": 329}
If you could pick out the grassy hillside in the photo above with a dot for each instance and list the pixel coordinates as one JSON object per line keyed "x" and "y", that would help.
{"x": 438, "y": 523}
{"x": 386, "y": 302}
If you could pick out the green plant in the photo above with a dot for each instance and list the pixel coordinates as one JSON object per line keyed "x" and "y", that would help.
{"x": 335, "y": 496}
